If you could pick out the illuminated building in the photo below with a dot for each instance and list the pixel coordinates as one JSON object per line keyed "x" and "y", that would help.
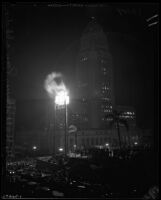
{"x": 94, "y": 77}
{"x": 129, "y": 114}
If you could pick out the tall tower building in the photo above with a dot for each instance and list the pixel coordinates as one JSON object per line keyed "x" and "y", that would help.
{"x": 11, "y": 103}
{"x": 94, "y": 78}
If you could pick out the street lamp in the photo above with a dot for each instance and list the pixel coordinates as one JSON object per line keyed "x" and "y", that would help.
{"x": 34, "y": 147}
{"x": 62, "y": 99}
{"x": 60, "y": 149}
{"x": 107, "y": 144}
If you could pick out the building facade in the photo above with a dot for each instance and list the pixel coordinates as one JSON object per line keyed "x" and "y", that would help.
{"x": 98, "y": 138}
{"x": 129, "y": 114}
{"x": 10, "y": 127}
{"x": 94, "y": 79}
{"x": 11, "y": 103}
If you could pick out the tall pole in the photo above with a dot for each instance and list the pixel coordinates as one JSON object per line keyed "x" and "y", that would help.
{"x": 66, "y": 113}
{"x": 76, "y": 138}
{"x": 54, "y": 132}
{"x": 129, "y": 139}
{"x": 118, "y": 131}
{"x": 65, "y": 130}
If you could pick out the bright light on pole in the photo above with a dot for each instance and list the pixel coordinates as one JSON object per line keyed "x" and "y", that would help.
{"x": 59, "y": 94}
{"x": 62, "y": 98}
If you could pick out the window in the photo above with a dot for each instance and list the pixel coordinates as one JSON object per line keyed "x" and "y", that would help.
{"x": 84, "y": 59}
{"x": 84, "y": 100}
{"x": 106, "y": 110}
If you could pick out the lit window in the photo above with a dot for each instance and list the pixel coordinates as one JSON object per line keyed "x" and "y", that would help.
{"x": 84, "y": 59}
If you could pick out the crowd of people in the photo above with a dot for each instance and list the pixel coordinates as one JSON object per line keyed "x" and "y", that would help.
{"x": 127, "y": 173}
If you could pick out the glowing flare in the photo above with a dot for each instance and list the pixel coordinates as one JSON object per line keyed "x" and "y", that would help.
{"x": 62, "y": 98}
{"x": 53, "y": 87}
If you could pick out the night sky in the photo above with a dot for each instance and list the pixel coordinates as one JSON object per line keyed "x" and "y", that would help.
{"x": 47, "y": 40}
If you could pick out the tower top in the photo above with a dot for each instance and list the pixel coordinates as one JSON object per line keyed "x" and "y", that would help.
{"x": 92, "y": 26}
{"x": 93, "y": 36}
{"x": 93, "y": 18}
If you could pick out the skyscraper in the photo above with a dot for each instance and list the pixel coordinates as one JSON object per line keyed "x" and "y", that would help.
{"x": 11, "y": 103}
{"x": 94, "y": 78}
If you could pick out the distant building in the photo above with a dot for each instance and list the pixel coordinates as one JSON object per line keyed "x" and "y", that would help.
{"x": 94, "y": 79}
{"x": 10, "y": 128}
{"x": 11, "y": 103}
{"x": 101, "y": 138}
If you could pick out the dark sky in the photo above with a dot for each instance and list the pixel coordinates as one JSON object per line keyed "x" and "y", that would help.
{"x": 47, "y": 39}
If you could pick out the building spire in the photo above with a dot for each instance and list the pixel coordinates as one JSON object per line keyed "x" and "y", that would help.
{"x": 92, "y": 26}
{"x": 93, "y": 18}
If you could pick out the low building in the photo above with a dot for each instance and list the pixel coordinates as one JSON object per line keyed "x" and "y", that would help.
{"x": 10, "y": 126}
{"x": 85, "y": 139}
